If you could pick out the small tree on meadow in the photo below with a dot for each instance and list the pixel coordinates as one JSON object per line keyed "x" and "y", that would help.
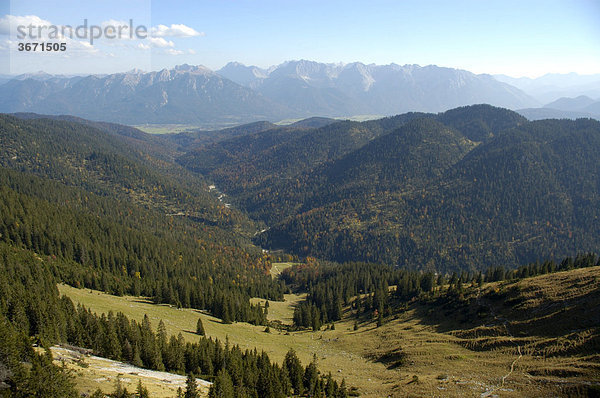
{"x": 200, "y": 327}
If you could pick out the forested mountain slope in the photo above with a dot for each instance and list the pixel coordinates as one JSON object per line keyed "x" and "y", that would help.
{"x": 124, "y": 163}
{"x": 106, "y": 207}
{"x": 470, "y": 186}
{"x": 256, "y": 160}
{"x": 529, "y": 193}
{"x": 125, "y": 226}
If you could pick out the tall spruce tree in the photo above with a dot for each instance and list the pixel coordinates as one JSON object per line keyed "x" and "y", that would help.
{"x": 311, "y": 377}
{"x": 191, "y": 387}
{"x": 295, "y": 372}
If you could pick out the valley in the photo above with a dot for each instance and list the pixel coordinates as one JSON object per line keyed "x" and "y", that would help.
{"x": 421, "y": 254}
{"x": 299, "y": 199}
{"x": 466, "y": 188}
{"x": 447, "y": 355}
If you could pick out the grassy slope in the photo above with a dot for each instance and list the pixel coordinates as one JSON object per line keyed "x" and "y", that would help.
{"x": 451, "y": 353}
{"x": 357, "y": 370}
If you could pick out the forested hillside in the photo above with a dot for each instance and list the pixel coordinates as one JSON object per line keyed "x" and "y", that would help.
{"x": 405, "y": 159}
{"x": 113, "y": 160}
{"x": 471, "y": 186}
{"x": 255, "y": 161}
{"x": 379, "y": 291}
{"x": 124, "y": 225}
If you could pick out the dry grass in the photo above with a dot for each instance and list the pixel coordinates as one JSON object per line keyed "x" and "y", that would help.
{"x": 277, "y": 268}
{"x": 282, "y": 311}
{"x": 92, "y": 373}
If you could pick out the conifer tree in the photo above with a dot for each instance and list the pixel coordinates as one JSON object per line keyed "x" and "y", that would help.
{"x": 226, "y": 318}
{"x": 120, "y": 391}
{"x": 200, "y": 327}
{"x": 161, "y": 336}
{"x": 222, "y": 387}
{"x": 98, "y": 394}
{"x": 141, "y": 391}
{"x": 330, "y": 386}
{"x": 295, "y": 372}
{"x": 311, "y": 377}
{"x": 342, "y": 392}
{"x": 191, "y": 387}
{"x": 47, "y": 380}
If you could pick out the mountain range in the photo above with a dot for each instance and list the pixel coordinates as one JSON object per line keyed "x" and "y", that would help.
{"x": 238, "y": 93}
{"x": 356, "y": 88}
{"x": 184, "y": 94}
{"x": 552, "y": 86}
{"x": 565, "y": 108}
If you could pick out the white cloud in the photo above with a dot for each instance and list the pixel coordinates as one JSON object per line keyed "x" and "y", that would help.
{"x": 175, "y": 30}
{"x": 115, "y": 22}
{"x": 9, "y": 23}
{"x": 190, "y": 51}
{"x": 160, "y": 42}
{"x": 171, "y": 51}
{"x": 143, "y": 46}
{"x": 81, "y": 45}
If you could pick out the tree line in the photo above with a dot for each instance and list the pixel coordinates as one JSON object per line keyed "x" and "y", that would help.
{"x": 377, "y": 291}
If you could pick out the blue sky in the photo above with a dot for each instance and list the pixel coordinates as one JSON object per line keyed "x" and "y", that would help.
{"x": 518, "y": 38}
